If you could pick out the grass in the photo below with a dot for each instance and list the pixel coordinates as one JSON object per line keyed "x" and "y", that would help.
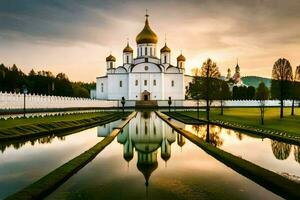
{"x": 70, "y": 117}
{"x": 251, "y": 117}
{"x": 54, "y": 179}
{"x": 23, "y": 128}
{"x": 268, "y": 179}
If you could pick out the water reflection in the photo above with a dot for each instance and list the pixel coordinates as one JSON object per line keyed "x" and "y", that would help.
{"x": 146, "y": 134}
{"x": 281, "y": 150}
{"x": 17, "y": 144}
{"x": 209, "y": 133}
{"x": 145, "y": 153}
{"x": 280, "y": 157}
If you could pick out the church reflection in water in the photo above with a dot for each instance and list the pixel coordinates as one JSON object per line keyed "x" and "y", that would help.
{"x": 146, "y": 134}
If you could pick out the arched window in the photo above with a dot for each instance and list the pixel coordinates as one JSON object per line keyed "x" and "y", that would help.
{"x": 101, "y": 87}
{"x": 145, "y": 82}
{"x": 120, "y": 83}
{"x": 146, "y": 52}
{"x": 150, "y": 51}
{"x": 127, "y": 59}
{"x": 165, "y": 59}
{"x": 154, "y": 82}
{"x": 136, "y": 82}
{"x": 172, "y": 83}
{"x": 111, "y": 65}
{"x": 146, "y": 128}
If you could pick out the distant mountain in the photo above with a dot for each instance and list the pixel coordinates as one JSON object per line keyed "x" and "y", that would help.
{"x": 255, "y": 80}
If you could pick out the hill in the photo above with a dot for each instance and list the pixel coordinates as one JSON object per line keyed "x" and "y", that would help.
{"x": 255, "y": 80}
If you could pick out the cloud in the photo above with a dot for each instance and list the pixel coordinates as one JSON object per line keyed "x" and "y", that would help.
{"x": 224, "y": 29}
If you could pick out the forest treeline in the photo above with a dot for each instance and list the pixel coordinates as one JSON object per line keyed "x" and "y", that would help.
{"x": 12, "y": 79}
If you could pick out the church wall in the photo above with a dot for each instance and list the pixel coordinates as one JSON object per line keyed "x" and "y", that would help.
{"x": 117, "y": 90}
{"x": 135, "y": 91}
{"x": 101, "y": 88}
{"x": 177, "y": 90}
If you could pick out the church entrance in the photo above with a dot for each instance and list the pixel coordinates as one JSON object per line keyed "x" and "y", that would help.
{"x": 145, "y": 95}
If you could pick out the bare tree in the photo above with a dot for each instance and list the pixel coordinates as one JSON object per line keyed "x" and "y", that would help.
{"x": 225, "y": 94}
{"x": 282, "y": 76}
{"x": 196, "y": 71}
{"x": 210, "y": 72}
{"x": 262, "y": 94}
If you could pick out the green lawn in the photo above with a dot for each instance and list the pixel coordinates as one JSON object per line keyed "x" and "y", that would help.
{"x": 71, "y": 117}
{"x": 251, "y": 117}
{"x": 28, "y": 127}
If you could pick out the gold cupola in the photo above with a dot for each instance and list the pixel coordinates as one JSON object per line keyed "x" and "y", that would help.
{"x": 146, "y": 35}
{"x": 110, "y": 58}
{"x": 165, "y": 49}
{"x": 127, "y": 49}
{"x": 180, "y": 58}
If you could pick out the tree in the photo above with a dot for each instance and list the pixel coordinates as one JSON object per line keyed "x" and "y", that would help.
{"x": 295, "y": 89}
{"x": 224, "y": 94}
{"x": 262, "y": 94}
{"x": 196, "y": 71}
{"x": 250, "y": 92}
{"x": 235, "y": 92}
{"x": 282, "y": 76}
{"x": 194, "y": 90}
{"x": 211, "y": 73}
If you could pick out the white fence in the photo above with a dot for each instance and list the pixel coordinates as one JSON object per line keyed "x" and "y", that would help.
{"x": 11, "y": 101}
{"x": 16, "y": 101}
{"x": 230, "y": 103}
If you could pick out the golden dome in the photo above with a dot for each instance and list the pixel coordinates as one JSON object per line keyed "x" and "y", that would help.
{"x": 165, "y": 49}
{"x": 146, "y": 35}
{"x": 110, "y": 58}
{"x": 180, "y": 58}
{"x": 127, "y": 49}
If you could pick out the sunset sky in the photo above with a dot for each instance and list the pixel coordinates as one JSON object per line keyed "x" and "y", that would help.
{"x": 75, "y": 36}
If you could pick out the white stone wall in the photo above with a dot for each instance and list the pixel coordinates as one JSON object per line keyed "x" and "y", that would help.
{"x": 174, "y": 86}
{"x": 230, "y": 103}
{"x": 115, "y": 91}
{"x": 135, "y": 91}
{"x": 16, "y": 101}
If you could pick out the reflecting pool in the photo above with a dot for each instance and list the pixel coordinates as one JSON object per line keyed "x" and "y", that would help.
{"x": 151, "y": 161}
{"x": 22, "y": 163}
{"x": 280, "y": 157}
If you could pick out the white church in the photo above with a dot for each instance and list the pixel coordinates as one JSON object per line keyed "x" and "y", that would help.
{"x": 146, "y": 76}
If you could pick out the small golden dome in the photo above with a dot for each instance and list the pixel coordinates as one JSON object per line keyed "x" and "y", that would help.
{"x": 146, "y": 35}
{"x": 180, "y": 58}
{"x": 127, "y": 49}
{"x": 165, "y": 49}
{"x": 110, "y": 58}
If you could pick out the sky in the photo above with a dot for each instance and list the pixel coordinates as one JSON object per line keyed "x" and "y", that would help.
{"x": 75, "y": 36}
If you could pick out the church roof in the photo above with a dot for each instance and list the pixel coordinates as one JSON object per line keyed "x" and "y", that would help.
{"x": 128, "y": 49}
{"x": 165, "y": 49}
{"x": 180, "y": 58}
{"x": 110, "y": 58}
{"x": 146, "y": 35}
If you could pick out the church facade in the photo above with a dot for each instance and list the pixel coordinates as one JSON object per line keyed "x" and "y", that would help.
{"x": 148, "y": 76}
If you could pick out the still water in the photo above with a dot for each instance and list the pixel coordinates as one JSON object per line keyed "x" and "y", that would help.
{"x": 22, "y": 163}
{"x": 151, "y": 161}
{"x": 280, "y": 157}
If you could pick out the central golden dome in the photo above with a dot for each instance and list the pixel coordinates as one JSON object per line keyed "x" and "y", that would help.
{"x": 146, "y": 35}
